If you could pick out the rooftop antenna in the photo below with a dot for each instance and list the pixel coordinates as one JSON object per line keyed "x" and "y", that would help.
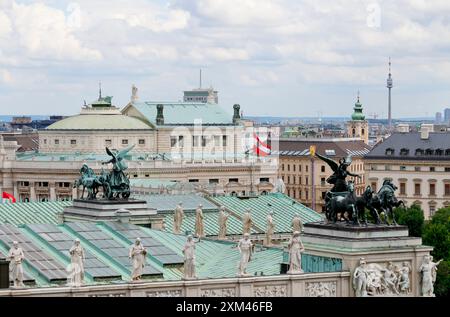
{"x": 99, "y": 90}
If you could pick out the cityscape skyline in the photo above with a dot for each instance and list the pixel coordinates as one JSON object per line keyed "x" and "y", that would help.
{"x": 286, "y": 63}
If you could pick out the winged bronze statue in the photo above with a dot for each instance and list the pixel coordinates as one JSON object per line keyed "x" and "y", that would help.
{"x": 340, "y": 172}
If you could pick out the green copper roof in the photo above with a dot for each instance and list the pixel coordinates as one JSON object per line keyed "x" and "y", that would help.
{"x": 99, "y": 122}
{"x": 214, "y": 259}
{"x": 284, "y": 209}
{"x": 31, "y": 212}
{"x": 178, "y": 113}
{"x": 358, "y": 111}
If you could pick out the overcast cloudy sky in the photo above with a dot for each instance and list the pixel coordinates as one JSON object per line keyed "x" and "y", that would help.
{"x": 279, "y": 57}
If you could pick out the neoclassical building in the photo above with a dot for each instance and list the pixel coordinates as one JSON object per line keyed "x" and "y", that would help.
{"x": 192, "y": 142}
{"x": 419, "y": 165}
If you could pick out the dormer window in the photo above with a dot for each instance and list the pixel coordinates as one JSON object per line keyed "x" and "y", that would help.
{"x": 447, "y": 152}
{"x": 439, "y": 152}
{"x": 390, "y": 151}
{"x": 429, "y": 152}
{"x": 404, "y": 151}
{"x": 419, "y": 152}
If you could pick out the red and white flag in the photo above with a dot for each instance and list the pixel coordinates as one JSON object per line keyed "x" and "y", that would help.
{"x": 6, "y": 195}
{"x": 261, "y": 148}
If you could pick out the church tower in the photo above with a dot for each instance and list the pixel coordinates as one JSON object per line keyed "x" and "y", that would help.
{"x": 358, "y": 126}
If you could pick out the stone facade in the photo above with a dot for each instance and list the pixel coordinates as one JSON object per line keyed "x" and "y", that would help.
{"x": 265, "y": 286}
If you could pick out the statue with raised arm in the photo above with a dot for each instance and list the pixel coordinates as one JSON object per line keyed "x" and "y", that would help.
{"x": 117, "y": 183}
{"x": 77, "y": 258}
{"x": 199, "y": 228}
{"x": 223, "y": 218}
{"x": 137, "y": 255}
{"x": 428, "y": 275}
{"x": 340, "y": 172}
{"x": 16, "y": 257}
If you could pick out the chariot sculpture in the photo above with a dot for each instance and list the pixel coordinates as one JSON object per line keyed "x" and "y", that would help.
{"x": 114, "y": 183}
{"x": 342, "y": 199}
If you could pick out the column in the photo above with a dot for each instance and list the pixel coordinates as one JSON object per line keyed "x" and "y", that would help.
{"x": 52, "y": 191}
{"x": 32, "y": 192}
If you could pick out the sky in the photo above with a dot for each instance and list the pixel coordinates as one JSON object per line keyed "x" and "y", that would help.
{"x": 277, "y": 58}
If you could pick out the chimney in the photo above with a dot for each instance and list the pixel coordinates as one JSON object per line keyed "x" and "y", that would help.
{"x": 425, "y": 130}
{"x": 403, "y": 128}
{"x": 236, "y": 116}
{"x": 160, "y": 114}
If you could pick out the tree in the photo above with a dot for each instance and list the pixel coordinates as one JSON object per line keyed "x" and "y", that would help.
{"x": 411, "y": 217}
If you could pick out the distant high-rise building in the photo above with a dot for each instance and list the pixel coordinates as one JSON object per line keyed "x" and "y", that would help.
{"x": 447, "y": 115}
{"x": 389, "y": 85}
{"x": 203, "y": 95}
{"x": 438, "y": 118}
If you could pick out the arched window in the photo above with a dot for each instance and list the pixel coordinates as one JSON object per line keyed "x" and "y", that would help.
{"x": 362, "y": 131}
{"x": 404, "y": 151}
{"x": 353, "y": 132}
{"x": 419, "y": 152}
{"x": 429, "y": 152}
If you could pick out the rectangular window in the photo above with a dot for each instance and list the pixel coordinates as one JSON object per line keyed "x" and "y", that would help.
{"x": 289, "y": 179}
{"x": 193, "y": 181}
{"x": 432, "y": 189}
{"x": 387, "y": 167}
{"x": 294, "y": 179}
{"x": 141, "y": 141}
{"x": 124, "y": 141}
{"x": 417, "y": 189}
{"x": 306, "y": 180}
{"x": 374, "y": 186}
{"x": 264, "y": 179}
{"x": 447, "y": 169}
{"x": 432, "y": 169}
{"x": 73, "y": 142}
{"x": 224, "y": 140}
{"x": 195, "y": 140}
{"x": 180, "y": 141}
{"x": 282, "y": 167}
{"x": 214, "y": 181}
{"x": 233, "y": 180}
{"x": 322, "y": 168}
{"x": 306, "y": 168}
{"x": 299, "y": 168}
{"x": 293, "y": 167}
{"x": 108, "y": 142}
{"x": 45, "y": 141}
{"x": 447, "y": 189}
{"x": 56, "y": 141}
{"x": 417, "y": 168}
{"x": 403, "y": 168}
{"x": 216, "y": 140}
{"x": 289, "y": 167}
{"x": 203, "y": 141}
{"x": 322, "y": 181}
{"x": 402, "y": 188}
{"x": 306, "y": 194}
{"x": 432, "y": 210}
{"x": 173, "y": 141}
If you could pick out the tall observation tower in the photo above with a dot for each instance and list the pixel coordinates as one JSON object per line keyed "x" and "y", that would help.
{"x": 389, "y": 85}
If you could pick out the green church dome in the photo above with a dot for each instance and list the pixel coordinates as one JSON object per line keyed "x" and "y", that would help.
{"x": 358, "y": 111}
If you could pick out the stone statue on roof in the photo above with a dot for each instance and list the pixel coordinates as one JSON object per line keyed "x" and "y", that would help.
{"x": 199, "y": 228}
{"x": 360, "y": 277}
{"x": 280, "y": 187}
{"x": 76, "y": 267}
{"x": 134, "y": 93}
{"x": 297, "y": 224}
{"x": 245, "y": 247}
{"x": 137, "y": 255}
{"x": 16, "y": 257}
{"x": 223, "y": 218}
{"x": 270, "y": 229}
{"x": 178, "y": 216}
{"x": 296, "y": 248}
{"x": 247, "y": 222}
{"x": 189, "y": 258}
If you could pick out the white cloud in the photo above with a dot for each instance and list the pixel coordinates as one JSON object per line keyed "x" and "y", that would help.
{"x": 5, "y": 76}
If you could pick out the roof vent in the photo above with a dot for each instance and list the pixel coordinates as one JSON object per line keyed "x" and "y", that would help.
{"x": 403, "y": 128}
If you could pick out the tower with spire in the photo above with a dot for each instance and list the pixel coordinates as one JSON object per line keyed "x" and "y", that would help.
{"x": 389, "y": 85}
{"x": 358, "y": 126}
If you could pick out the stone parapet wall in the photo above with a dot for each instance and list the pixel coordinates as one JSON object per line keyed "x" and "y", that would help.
{"x": 334, "y": 284}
